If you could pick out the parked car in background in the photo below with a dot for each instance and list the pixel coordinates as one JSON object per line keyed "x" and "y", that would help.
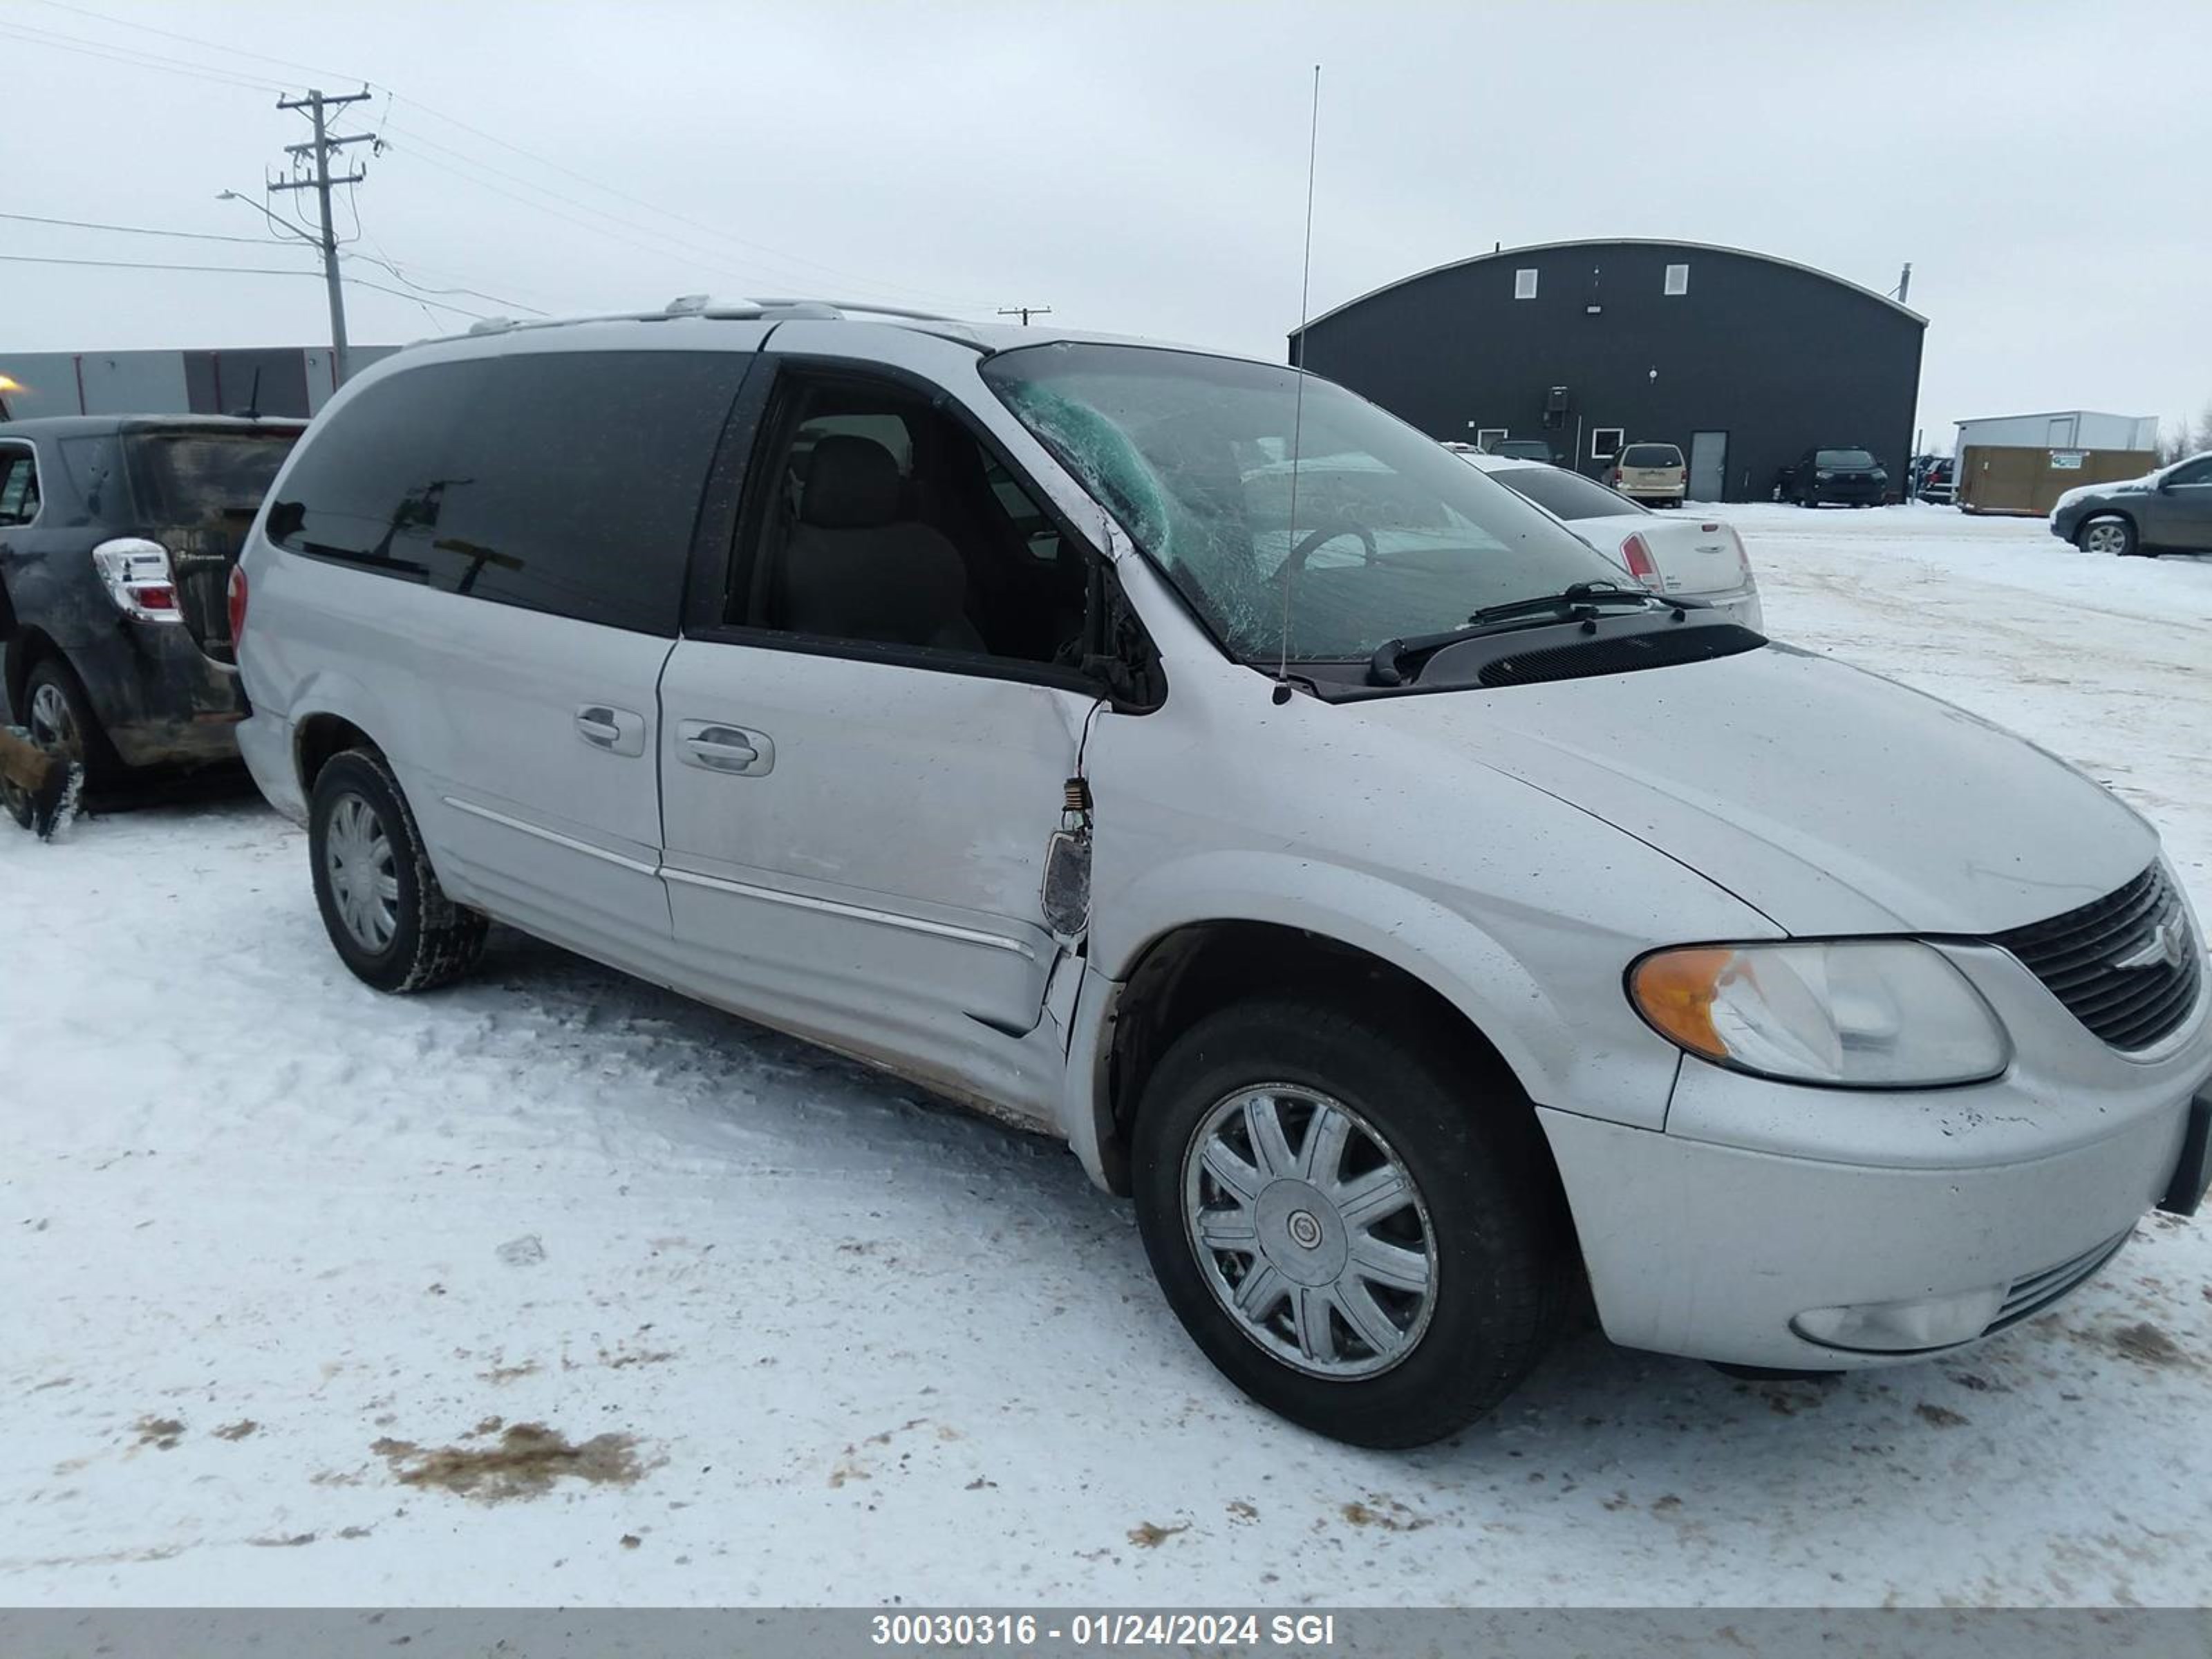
{"x": 1847, "y": 475}
{"x": 1412, "y": 918}
{"x": 1651, "y": 472}
{"x": 2169, "y": 511}
{"x": 1681, "y": 557}
{"x": 1935, "y": 479}
{"x": 1525, "y": 449}
{"x": 117, "y": 537}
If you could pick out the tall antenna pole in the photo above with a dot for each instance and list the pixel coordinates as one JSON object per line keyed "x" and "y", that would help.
{"x": 318, "y": 106}
{"x": 1298, "y": 408}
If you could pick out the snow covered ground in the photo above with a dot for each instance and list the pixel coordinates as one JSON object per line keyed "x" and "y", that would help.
{"x": 288, "y": 1261}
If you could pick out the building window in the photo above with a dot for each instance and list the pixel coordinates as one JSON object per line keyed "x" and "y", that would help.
{"x": 1678, "y": 279}
{"x": 1605, "y": 442}
{"x": 1524, "y": 284}
{"x": 1486, "y": 436}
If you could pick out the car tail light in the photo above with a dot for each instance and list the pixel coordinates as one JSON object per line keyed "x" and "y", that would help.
{"x": 1616, "y": 475}
{"x": 1641, "y": 565}
{"x": 136, "y": 574}
{"x": 235, "y": 595}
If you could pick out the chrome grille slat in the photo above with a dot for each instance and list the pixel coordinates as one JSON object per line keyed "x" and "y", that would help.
{"x": 2077, "y": 956}
{"x": 2037, "y": 1291}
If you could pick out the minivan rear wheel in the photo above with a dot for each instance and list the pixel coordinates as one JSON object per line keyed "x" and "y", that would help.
{"x": 1359, "y": 1229}
{"x": 388, "y": 919}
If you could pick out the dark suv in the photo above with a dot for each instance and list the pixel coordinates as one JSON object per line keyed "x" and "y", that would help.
{"x": 117, "y": 537}
{"x": 1846, "y": 474}
{"x": 2170, "y": 511}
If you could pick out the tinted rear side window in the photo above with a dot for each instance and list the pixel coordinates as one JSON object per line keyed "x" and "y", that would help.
{"x": 1566, "y": 494}
{"x": 182, "y": 478}
{"x": 562, "y": 482}
{"x": 1652, "y": 455}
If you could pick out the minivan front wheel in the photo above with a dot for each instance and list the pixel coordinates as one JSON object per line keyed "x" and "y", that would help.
{"x": 1359, "y": 1228}
{"x": 387, "y": 917}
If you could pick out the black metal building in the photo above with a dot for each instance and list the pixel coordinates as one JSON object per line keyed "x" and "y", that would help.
{"x": 1743, "y": 360}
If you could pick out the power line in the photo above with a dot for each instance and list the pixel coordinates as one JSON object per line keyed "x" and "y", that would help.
{"x": 137, "y": 230}
{"x": 153, "y": 265}
{"x": 131, "y": 56}
{"x": 406, "y": 144}
{"x": 194, "y": 40}
{"x": 227, "y": 270}
{"x": 777, "y": 254}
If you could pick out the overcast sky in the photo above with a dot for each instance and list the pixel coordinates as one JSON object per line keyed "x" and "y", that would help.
{"x": 1140, "y": 169}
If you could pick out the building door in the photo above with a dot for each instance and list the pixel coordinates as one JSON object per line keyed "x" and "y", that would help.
{"x": 1708, "y": 466}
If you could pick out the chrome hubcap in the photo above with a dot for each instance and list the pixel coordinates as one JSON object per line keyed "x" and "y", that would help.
{"x": 364, "y": 882}
{"x": 51, "y": 724}
{"x": 1309, "y": 1231}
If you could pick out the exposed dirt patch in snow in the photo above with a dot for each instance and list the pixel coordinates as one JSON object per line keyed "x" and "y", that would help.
{"x": 161, "y": 1433}
{"x": 529, "y": 1458}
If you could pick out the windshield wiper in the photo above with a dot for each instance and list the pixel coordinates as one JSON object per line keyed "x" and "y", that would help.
{"x": 1580, "y": 601}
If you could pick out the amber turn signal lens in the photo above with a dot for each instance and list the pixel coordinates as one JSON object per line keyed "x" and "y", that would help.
{"x": 1674, "y": 990}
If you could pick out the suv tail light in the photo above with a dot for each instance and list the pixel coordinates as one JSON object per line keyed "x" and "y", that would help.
{"x": 1641, "y": 565}
{"x": 1742, "y": 558}
{"x": 136, "y": 574}
{"x": 235, "y": 595}
{"x": 1616, "y": 475}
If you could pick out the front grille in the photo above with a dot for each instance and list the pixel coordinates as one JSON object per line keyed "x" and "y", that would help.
{"x": 2032, "y": 1295}
{"x": 2078, "y": 958}
{"x": 1622, "y": 655}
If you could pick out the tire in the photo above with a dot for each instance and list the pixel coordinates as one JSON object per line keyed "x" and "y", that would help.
{"x": 1483, "y": 1230}
{"x": 388, "y": 919}
{"x": 2108, "y": 532}
{"x": 59, "y": 715}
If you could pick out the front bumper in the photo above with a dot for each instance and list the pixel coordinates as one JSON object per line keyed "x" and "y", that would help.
{"x": 1760, "y": 1202}
{"x": 1714, "y": 1252}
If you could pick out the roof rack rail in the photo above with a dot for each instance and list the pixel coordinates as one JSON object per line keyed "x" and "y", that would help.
{"x": 703, "y": 305}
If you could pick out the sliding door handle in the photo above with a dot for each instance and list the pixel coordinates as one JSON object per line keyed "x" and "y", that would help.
{"x": 719, "y": 748}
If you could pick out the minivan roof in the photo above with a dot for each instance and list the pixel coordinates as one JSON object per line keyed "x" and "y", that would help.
{"x": 986, "y": 337}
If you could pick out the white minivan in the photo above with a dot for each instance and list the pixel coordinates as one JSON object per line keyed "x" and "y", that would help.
{"x": 1414, "y": 915}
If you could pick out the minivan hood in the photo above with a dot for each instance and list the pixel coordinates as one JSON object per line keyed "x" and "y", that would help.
{"x": 1830, "y": 799}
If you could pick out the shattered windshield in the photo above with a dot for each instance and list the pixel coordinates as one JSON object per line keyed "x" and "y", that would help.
{"x": 1377, "y": 533}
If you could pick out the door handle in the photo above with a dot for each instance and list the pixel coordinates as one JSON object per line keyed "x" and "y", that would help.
{"x": 719, "y": 748}
{"x": 617, "y": 730}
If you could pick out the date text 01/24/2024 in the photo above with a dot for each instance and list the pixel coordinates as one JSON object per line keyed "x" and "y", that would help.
{"x": 923, "y": 1630}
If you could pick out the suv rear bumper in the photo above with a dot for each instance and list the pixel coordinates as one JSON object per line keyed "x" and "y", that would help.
{"x": 160, "y": 700}
{"x": 1713, "y": 1251}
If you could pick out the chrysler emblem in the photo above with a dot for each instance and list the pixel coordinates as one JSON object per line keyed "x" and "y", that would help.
{"x": 2167, "y": 947}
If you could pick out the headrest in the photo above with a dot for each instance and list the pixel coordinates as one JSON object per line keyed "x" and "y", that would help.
{"x": 852, "y": 483}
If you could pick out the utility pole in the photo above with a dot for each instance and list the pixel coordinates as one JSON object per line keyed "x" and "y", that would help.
{"x": 318, "y": 108}
{"x": 1025, "y": 312}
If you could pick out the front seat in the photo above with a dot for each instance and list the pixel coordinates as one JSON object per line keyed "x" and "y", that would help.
{"x": 854, "y": 569}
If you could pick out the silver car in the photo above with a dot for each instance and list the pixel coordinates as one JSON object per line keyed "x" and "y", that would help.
{"x": 1414, "y": 916}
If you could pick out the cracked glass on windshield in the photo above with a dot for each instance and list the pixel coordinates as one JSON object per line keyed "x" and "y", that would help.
{"x": 1381, "y": 534}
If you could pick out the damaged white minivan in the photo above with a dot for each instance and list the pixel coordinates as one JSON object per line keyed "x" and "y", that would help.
{"x": 1186, "y": 758}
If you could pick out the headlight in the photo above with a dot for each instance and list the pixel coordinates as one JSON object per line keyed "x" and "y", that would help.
{"x": 1880, "y": 476}
{"x": 1868, "y": 1013}
{"x": 1824, "y": 477}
